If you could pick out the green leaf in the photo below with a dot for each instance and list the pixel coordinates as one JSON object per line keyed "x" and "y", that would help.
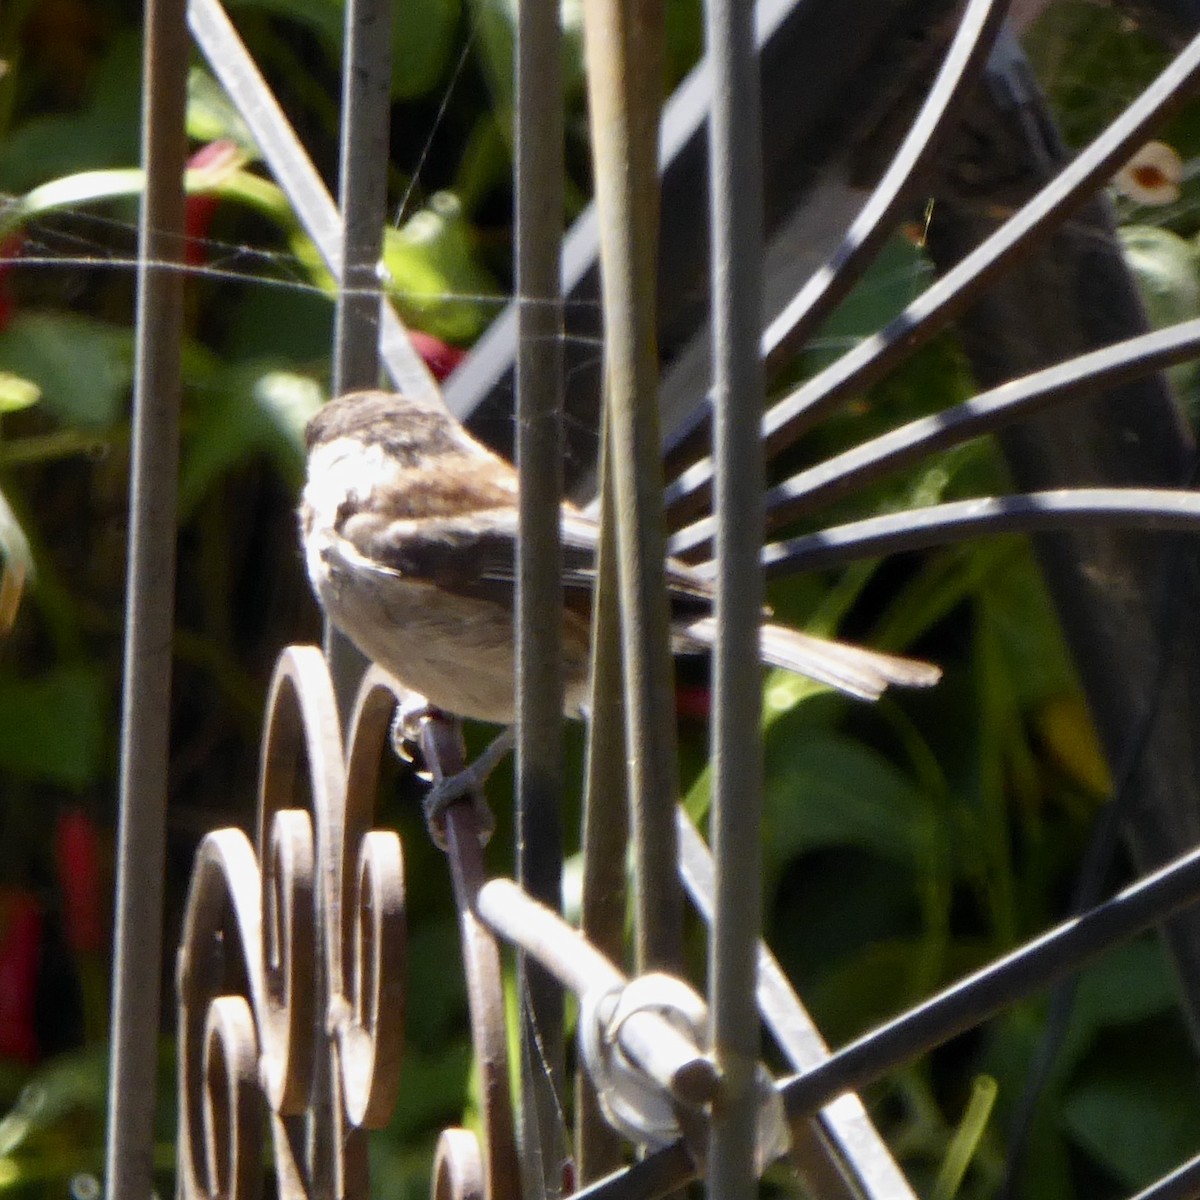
{"x": 494, "y": 24}
{"x": 892, "y": 282}
{"x": 432, "y": 273}
{"x": 424, "y": 34}
{"x": 212, "y": 115}
{"x": 830, "y": 790}
{"x": 1165, "y": 267}
{"x": 1026, "y": 628}
{"x": 17, "y": 393}
{"x": 485, "y": 164}
{"x": 103, "y": 133}
{"x": 324, "y": 18}
{"x": 1132, "y": 1110}
{"x": 1129, "y": 984}
{"x": 289, "y": 401}
{"x": 71, "y": 191}
{"x": 53, "y": 729}
{"x": 83, "y": 367}
{"x": 66, "y": 1085}
{"x": 965, "y": 1142}
{"x": 864, "y": 989}
{"x": 248, "y": 410}
{"x": 223, "y": 179}
{"x": 278, "y": 325}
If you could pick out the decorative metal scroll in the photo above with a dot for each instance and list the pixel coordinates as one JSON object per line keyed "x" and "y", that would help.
{"x": 291, "y": 974}
{"x": 291, "y": 988}
{"x": 291, "y": 968}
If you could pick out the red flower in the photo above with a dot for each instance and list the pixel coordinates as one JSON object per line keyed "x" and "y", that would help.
{"x": 198, "y": 209}
{"x": 77, "y": 855}
{"x": 10, "y": 252}
{"x": 20, "y": 950}
{"x": 439, "y": 357}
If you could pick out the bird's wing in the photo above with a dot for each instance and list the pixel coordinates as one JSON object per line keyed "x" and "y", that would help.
{"x": 468, "y": 554}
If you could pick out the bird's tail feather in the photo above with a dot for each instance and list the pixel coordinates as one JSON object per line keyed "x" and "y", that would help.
{"x": 854, "y": 670}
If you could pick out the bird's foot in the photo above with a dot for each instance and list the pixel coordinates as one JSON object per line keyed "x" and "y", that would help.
{"x": 407, "y": 722}
{"x": 412, "y": 726}
{"x": 450, "y": 789}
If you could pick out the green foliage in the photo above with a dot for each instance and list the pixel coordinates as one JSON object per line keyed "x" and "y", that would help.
{"x": 53, "y": 728}
{"x": 102, "y": 132}
{"x": 85, "y": 388}
{"x": 966, "y": 1139}
{"x": 17, "y": 393}
{"x": 423, "y": 38}
{"x": 430, "y": 270}
{"x": 52, "y": 1135}
{"x": 904, "y": 845}
{"x": 245, "y": 409}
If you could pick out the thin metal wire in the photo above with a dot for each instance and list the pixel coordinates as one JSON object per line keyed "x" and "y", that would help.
{"x": 931, "y": 312}
{"x": 987, "y": 412}
{"x": 735, "y": 205}
{"x": 539, "y": 746}
{"x": 944, "y": 524}
{"x": 150, "y": 607}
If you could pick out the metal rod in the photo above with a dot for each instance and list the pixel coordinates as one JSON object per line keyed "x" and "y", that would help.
{"x": 291, "y": 166}
{"x": 362, "y": 191}
{"x": 1181, "y": 1184}
{"x": 442, "y": 748}
{"x": 362, "y": 204}
{"x": 539, "y": 155}
{"x": 1064, "y": 949}
{"x": 988, "y": 412}
{"x": 961, "y": 69}
{"x": 932, "y": 311}
{"x": 150, "y": 606}
{"x": 735, "y": 204}
{"x": 605, "y": 838}
{"x": 981, "y": 995}
{"x": 857, "y": 1162}
{"x": 675, "y": 1063}
{"x": 956, "y": 521}
{"x": 362, "y": 200}
{"x": 624, "y": 56}
{"x": 485, "y": 373}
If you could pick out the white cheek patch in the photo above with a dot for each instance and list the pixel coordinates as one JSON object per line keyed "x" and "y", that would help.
{"x": 342, "y": 470}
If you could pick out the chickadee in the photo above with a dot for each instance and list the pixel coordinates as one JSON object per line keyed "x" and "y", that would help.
{"x": 409, "y": 528}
